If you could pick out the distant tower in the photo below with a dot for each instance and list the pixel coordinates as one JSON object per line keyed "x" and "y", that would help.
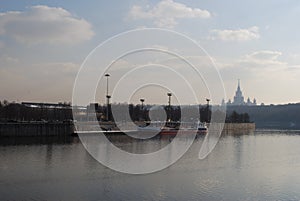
{"x": 249, "y": 101}
{"x": 254, "y": 102}
{"x": 223, "y": 102}
{"x": 238, "y": 98}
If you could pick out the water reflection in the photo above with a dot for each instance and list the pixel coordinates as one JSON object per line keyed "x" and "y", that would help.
{"x": 8, "y": 141}
{"x": 49, "y": 155}
{"x": 260, "y": 166}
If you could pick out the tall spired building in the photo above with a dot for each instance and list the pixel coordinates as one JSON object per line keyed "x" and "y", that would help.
{"x": 238, "y": 98}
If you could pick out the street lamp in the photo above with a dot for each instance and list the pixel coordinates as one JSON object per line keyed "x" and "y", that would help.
{"x": 107, "y": 96}
{"x": 207, "y": 100}
{"x": 169, "y": 94}
{"x": 107, "y": 76}
{"x": 142, "y": 108}
{"x": 142, "y": 101}
{"x": 169, "y": 108}
{"x": 107, "y": 109}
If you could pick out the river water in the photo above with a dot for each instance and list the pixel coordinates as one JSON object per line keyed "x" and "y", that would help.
{"x": 264, "y": 165}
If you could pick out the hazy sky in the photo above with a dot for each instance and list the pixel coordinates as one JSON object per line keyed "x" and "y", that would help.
{"x": 42, "y": 45}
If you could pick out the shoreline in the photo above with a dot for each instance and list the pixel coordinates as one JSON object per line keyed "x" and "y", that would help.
{"x": 23, "y": 129}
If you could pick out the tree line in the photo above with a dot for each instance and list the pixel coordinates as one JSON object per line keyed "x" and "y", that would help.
{"x": 286, "y": 116}
{"x": 14, "y": 112}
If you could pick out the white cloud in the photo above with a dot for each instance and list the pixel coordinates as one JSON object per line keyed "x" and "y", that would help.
{"x": 236, "y": 35}
{"x": 167, "y": 12}
{"x": 258, "y": 62}
{"x": 263, "y": 69}
{"x": 43, "y": 24}
{"x": 264, "y": 75}
{"x": 264, "y": 58}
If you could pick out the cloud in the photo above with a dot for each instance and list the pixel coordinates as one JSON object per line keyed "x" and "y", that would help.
{"x": 255, "y": 63}
{"x": 167, "y": 12}
{"x": 251, "y": 33}
{"x": 43, "y": 24}
{"x": 54, "y": 68}
{"x": 7, "y": 60}
{"x": 264, "y": 58}
{"x": 260, "y": 65}
{"x": 264, "y": 75}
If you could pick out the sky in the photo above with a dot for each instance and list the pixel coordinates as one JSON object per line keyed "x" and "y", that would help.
{"x": 44, "y": 43}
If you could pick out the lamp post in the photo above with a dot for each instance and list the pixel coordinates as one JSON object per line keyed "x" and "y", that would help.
{"x": 107, "y": 96}
{"x": 207, "y": 100}
{"x": 142, "y": 101}
{"x": 169, "y": 108}
{"x": 169, "y": 94}
{"x": 142, "y": 107}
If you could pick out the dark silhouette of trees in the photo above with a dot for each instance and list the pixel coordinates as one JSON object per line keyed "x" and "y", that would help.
{"x": 11, "y": 112}
{"x": 5, "y": 102}
{"x": 285, "y": 116}
{"x": 234, "y": 117}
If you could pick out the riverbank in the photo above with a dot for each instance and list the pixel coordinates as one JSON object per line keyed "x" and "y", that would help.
{"x": 36, "y": 129}
{"x": 238, "y": 128}
{"x": 23, "y": 129}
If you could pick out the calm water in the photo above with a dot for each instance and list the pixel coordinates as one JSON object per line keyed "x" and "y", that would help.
{"x": 261, "y": 166}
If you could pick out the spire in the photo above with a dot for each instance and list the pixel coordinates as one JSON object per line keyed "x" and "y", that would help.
{"x": 238, "y": 98}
